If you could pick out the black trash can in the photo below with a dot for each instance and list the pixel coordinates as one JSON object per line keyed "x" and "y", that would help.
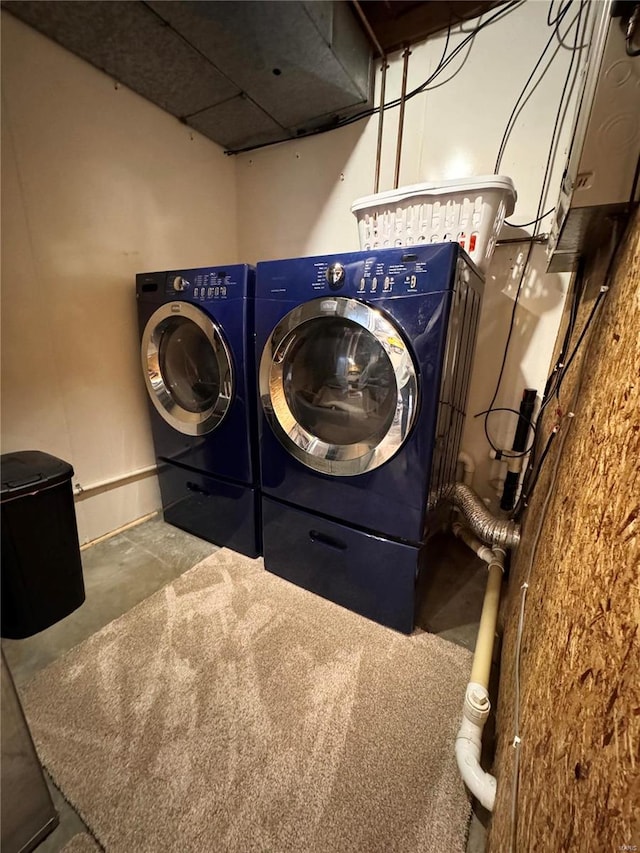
{"x": 41, "y": 569}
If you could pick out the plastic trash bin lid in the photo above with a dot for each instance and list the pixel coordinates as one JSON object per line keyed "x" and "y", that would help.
{"x": 29, "y": 471}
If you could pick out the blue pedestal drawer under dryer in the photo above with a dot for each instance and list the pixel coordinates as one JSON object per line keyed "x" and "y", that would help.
{"x": 364, "y": 361}
{"x": 198, "y": 363}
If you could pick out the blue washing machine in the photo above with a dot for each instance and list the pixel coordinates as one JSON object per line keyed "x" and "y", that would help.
{"x": 364, "y": 362}
{"x": 198, "y": 363}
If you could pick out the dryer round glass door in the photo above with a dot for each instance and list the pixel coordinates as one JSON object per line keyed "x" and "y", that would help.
{"x": 338, "y": 385}
{"x": 187, "y": 368}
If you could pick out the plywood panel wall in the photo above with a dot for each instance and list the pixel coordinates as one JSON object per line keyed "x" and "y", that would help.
{"x": 578, "y": 785}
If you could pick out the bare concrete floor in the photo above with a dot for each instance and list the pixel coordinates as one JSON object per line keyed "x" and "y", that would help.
{"x": 129, "y": 567}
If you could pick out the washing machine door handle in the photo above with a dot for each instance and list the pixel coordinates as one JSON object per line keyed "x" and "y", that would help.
{"x": 187, "y": 368}
{"x": 339, "y": 385}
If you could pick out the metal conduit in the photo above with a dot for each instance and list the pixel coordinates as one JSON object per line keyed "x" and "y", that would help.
{"x": 383, "y": 86}
{"x": 79, "y": 489}
{"x": 403, "y": 98}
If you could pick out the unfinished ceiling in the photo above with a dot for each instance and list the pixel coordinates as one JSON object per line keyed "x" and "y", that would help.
{"x": 248, "y": 73}
{"x": 394, "y": 24}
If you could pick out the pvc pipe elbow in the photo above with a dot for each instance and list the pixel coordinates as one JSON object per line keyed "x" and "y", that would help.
{"x": 469, "y": 745}
{"x": 468, "y": 466}
{"x": 481, "y": 784}
{"x": 483, "y": 551}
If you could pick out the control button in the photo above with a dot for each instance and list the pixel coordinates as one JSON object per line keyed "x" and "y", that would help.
{"x": 413, "y": 281}
{"x": 216, "y": 292}
{"x": 387, "y": 284}
{"x": 180, "y": 283}
{"x": 335, "y": 275}
{"x": 210, "y": 292}
{"x": 223, "y": 291}
{"x": 361, "y": 286}
{"x": 374, "y": 285}
{"x": 196, "y": 292}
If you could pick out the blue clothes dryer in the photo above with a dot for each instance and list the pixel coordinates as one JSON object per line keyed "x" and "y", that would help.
{"x": 364, "y": 362}
{"x": 198, "y": 363}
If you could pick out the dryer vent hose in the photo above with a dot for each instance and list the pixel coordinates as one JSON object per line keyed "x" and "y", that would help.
{"x": 492, "y": 530}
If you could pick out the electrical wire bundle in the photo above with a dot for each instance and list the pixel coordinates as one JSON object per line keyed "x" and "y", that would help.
{"x": 552, "y": 392}
{"x": 554, "y": 22}
{"x": 558, "y": 374}
{"x": 445, "y": 60}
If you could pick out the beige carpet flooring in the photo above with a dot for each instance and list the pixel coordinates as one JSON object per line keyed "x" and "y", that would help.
{"x": 232, "y": 711}
{"x": 81, "y": 843}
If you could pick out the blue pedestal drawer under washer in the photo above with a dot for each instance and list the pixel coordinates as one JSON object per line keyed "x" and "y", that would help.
{"x": 364, "y": 361}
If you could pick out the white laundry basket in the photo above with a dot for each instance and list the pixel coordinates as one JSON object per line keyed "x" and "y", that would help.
{"x": 470, "y": 211}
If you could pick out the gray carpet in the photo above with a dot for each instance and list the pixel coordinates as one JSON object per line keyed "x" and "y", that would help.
{"x": 232, "y": 711}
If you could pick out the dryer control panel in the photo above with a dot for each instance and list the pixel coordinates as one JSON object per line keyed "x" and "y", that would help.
{"x": 205, "y": 284}
{"x": 202, "y": 284}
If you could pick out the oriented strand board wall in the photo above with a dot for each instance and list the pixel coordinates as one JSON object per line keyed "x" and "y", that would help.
{"x": 579, "y": 780}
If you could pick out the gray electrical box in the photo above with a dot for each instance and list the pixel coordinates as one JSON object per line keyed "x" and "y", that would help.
{"x": 600, "y": 177}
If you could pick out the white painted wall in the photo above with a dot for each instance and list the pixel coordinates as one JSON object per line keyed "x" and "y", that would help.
{"x": 97, "y": 184}
{"x": 296, "y": 197}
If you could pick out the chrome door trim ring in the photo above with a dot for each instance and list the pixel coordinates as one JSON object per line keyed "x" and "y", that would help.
{"x": 181, "y": 419}
{"x": 341, "y": 460}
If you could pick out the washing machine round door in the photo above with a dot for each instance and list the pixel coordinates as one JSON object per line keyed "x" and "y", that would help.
{"x": 187, "y": 368}
{"x": 339, "y": 385}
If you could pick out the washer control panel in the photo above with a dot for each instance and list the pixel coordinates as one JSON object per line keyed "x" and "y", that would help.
{"x": 372, "y": 276}
{"x": 369, "y": 276}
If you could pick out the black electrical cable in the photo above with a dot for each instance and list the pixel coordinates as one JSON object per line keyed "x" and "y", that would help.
{"x": 559, "y": 113}
{"x": 533, "y": 221}
{"x": 525, "y": 100}
{"x": 553, "y": 378}
{"x": 502, "y": 12}
{"x": 442, "y": 64}
{"x": 553, "y": 22}
{"x": 506, "y": 454}
{"x": 458, "y": 70}
{"x": 525, "y": 264}
{"x": 551, "y": 384}
{"x": 424, "y": 86}
{"x": 522, "y": 502}
{"x": 530, "y": 247}
{"x": 507, "y": 132}
{"x": 505, "y": 353}
{"x": 528, "y": 488}
{"x": 556, "y": 377}
{"x": 592, "y": 313}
